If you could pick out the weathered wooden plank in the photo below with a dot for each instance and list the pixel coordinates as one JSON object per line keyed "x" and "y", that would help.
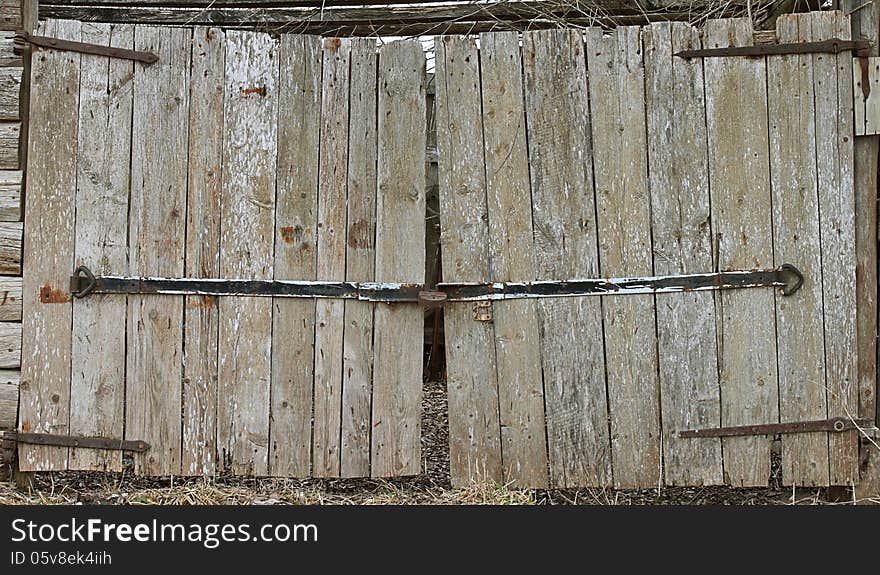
{"x": 299, "y": 116}
{"x": 10, "y": 195}
{"x": 9, "y": 382}
{"x": 8, "y": 57}
{"x": 247, "y": 226}
{"x": 10, "y": 89}
{"x": 739, "y": 166}
{"x": 329, "y": 314}
{"x": 511, "y": 253}
{"x": 474, "y": 426}
{"x": 867, "y": 110}
{"x": 400, "y": 256}
{"x": 9, "y": 134}
{"x": 11, "y": 237}
{"x": 10, "y": 14}
{"x": 10, "y": 299}
{"x": 201, "y": 314}
{"x": 97, "y": 386}
{"x": 796, "y": 239}
{"x": 46, "y": 309}
{"x": 10, "y": 346}
{"x": 564, "y": 219}
{"x": 617, "y": 97}
{"x": 835, "y": 157}
{"x": 682, "y": 244}
{"x": 156, "y": 226}
{"x": 360, "y": 261}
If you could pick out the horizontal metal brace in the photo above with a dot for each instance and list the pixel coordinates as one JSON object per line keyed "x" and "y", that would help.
{"x": 834, "y": 425}
{"x": 787, "y": 277}
{"x": 22, "y": 37}
{"x": 831, "y": 46}
{"x": 84, "y": 283}
{"x": 105, "y": 443}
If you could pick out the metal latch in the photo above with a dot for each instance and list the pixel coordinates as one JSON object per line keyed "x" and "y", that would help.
{"x": 105, "y": 443}
{"x": 833, "y": 425}
{"x": 22, "y": 37}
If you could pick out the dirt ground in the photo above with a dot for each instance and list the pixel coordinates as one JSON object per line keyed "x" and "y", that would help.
{"x": 431, "y": 487}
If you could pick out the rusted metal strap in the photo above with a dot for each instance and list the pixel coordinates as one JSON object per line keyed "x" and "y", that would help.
{"x": 75, "y": 441}
{"x": 84, "y": 282}
{"x": 834, "y": 425}
{"x": 787, "y": 277}
{"x": 832, "y": 46}
{"x": 22, "y": 37}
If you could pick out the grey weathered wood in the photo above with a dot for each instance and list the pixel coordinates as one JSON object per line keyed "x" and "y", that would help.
{"x": 10, "y": 89}
{"x": 834, "y": 150}
{"x": 246, "y": 248}
{"x": 739, "y": 179}
{"x": 201, "y": 314}
{"x": 564, "y": 218}
{"x": 867, "y": 110}
{"x": 9, "y": 134}
{"x": 8, "y": 57}
{"x": 360, "y": 261}
{"x": 329, "y": 314}
{"x": 400, "y": 256}
{"x": 299, "y": 116}
{"x": 46, "y": 327}
{"x": 11, "y": 237}
{"x": 97, "y": 386}
{"x": 10, "y": 346}
{"x": 156, "y": 227}
{"x": 10, "y": 299}
{"x": 10, "y": 195}
{"x": 474, "y": 426}
{"x": 511, "y": 256}
{"x": 796, "y": 238}
{"x": 624, "y": 224}
{"x": 9, "y": 382}
{"x": 682, "y": 244}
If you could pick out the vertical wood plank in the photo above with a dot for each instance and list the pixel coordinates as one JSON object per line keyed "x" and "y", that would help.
{"x": 329, "y": 313}
{"x": 97, "y": 389}
{"x": 796, "y": 240}
{"x": 360, "y": 261}
{"x": 508, "y": 191}
{"x": 247, "y": 224}
{"x": 617, "y": 97}
{"x": 400, "y": 257}
{"x": 48, "y": 248}
{"x": 293, "y": 331}
{"x": 564, "y": 218}
{"x": 203, "y": 251}
{"x": 474, "y": 426}
{"x": 837, "y": 209}
{"x": 682, "y": 244}
{"x": 739, "y": 180}
{"x": 156, "y": 247}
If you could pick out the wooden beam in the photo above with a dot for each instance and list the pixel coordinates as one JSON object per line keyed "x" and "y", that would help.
{"x": 9, "y": 380}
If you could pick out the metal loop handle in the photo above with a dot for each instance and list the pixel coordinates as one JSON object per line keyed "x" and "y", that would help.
{"x": 75, "y": 284}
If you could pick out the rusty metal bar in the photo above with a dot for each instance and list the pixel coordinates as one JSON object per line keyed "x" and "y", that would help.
{"x": 84, "y": 283}
{"x": 23, "y": 37}
{"x": 105, "y": 443}
{"x": 831, "y": 46}
{"x": 833, "y": 425}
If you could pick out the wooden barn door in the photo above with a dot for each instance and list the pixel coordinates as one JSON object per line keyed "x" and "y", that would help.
{"x": 609, "y": 156}
{"x": 235, "y": 155}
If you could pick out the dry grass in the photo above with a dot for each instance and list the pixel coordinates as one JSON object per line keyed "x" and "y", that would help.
{"x": 432, "y": 487}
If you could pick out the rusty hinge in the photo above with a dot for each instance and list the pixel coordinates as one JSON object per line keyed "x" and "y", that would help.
{"x": 22, "y": 37}
{"x": 831, "y": 46}
{"x": 835, "y": 425}
{"x": 76, "y": 441}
